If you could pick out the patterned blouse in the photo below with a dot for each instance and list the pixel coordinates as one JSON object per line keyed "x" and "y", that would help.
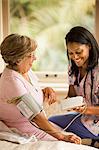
{"x": 91, "y": 122}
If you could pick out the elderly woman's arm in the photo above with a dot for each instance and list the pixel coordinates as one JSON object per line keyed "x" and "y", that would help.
{"x": 46, "y": 126}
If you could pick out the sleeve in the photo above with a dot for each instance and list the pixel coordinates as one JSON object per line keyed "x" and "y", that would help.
{"x": 96, "y": 87}
{"x": 71, "y": 78}
{"x": 12, "y": 88}
{"x": 18, "y": 98}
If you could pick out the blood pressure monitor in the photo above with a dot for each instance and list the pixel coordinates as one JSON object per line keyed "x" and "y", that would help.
{"x": 28, "y": 106}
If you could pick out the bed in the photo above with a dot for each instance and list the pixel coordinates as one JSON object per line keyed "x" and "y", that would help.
{"x": 10, "y": 140}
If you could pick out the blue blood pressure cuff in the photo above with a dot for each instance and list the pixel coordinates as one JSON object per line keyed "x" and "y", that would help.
{"x": 28, "y": 106}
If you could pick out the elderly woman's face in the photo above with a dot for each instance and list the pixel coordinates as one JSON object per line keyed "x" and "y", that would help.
{"x": 25, "y": 64}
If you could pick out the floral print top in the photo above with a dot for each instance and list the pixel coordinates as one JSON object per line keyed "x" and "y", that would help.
{"x": 91, "y": 122}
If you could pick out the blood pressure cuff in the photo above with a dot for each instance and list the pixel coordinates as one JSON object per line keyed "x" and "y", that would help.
{"x": 28, "y": 106}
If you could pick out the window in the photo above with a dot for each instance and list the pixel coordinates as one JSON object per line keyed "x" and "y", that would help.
{"x": 48, "y": 21}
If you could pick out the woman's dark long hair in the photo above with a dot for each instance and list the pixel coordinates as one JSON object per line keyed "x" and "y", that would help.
{"x": 83, "y": 36}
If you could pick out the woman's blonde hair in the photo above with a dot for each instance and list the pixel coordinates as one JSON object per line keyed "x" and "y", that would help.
{"x": 15, "y": 47}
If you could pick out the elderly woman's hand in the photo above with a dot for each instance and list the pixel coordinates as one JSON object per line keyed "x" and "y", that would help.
{"x": 49, "y": 95}
{"x": 73, "y": 139}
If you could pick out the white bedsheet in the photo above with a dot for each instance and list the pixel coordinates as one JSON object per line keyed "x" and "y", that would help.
{"x": 44, "y": 145}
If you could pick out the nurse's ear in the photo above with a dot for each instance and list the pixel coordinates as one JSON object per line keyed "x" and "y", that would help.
{"x": 89, "y": 45}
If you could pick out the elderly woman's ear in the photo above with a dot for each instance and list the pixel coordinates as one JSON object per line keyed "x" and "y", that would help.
{"x": 18, "y": 61}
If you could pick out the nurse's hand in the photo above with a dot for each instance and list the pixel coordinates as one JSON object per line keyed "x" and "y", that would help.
{"x": 80, "y": 109}
{"x": 49, "y": 95}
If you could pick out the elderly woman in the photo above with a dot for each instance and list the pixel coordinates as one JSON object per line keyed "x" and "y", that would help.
{"x": 18, "y": 82}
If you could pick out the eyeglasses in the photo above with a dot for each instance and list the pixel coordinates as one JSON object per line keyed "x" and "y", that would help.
{"x": 32, "y": 54}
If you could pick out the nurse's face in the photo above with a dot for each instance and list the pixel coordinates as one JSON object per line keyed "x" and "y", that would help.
{"x": 79, "y": 53}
